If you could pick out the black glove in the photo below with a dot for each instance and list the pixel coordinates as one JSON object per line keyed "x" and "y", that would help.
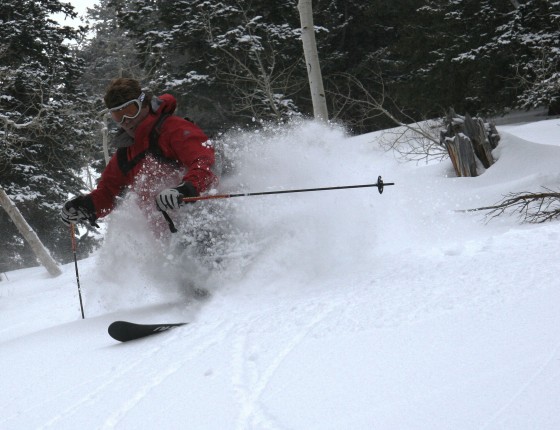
{"x": 78, "y": 209}
{"x": 172, "y": 198}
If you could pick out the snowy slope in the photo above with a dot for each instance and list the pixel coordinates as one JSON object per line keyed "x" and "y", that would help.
{"x": 332, "y": 310}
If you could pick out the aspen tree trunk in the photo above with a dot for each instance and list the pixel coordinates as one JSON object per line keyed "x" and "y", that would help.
{"x": 312, "y": 60}
{"x": 29, "y": 235}
{"x": 105, "y": 135}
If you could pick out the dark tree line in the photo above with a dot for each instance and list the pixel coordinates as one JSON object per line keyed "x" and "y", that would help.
{"x": 42, "y": 124}
{"x": 239, "y": 63}
{"x": 477, "y": 56}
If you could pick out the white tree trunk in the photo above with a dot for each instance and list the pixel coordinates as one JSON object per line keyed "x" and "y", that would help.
{"x": 312, "y": 60}
{"x": 29, "y": 235}
{"x": 105, "y": 135}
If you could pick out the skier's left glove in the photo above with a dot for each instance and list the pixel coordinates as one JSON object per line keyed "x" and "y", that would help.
{"x": 172, "y": 198}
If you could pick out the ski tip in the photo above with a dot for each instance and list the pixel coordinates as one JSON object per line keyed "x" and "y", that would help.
{"x": 116, "y": 329}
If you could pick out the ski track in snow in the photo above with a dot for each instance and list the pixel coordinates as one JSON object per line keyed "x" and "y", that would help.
{"x": 109, "y": 379}
{"x": 524, "y": 387}
{"x": 165, "y": 371}
{"x": 249, "y": 383}
{"x": 112, "y": 379}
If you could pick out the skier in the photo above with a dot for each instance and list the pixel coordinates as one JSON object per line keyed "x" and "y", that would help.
{"x": 161, "y": 157}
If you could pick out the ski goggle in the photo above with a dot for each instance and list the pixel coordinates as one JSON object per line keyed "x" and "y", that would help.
{"x": 129, "y": 110}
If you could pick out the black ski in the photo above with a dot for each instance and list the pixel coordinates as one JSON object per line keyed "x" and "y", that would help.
{"x": 123, "y": 331}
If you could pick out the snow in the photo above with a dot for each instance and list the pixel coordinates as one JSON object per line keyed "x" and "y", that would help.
{"x": 330, "y": 310}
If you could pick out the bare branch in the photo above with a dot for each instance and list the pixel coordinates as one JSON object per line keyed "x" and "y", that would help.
{"x": 412, "y": 140}
{"x": 10, "y": 123}
{"x": 257, "y": 80}
{"x": 532, "y": 208}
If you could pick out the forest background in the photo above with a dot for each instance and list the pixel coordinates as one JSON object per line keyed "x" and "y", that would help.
{"x": 239, "y": 65}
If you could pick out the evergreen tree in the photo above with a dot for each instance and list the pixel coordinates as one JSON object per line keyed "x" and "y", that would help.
{"x": 108, "y": 53}
{"x": 43, "y": 126}
{"x": 531, "y": 42}
{"x": 437, "y": 62}
{"x": 480, "y": 56}
{"x": 203, "y": 50}
{"x": 354, "y": 39}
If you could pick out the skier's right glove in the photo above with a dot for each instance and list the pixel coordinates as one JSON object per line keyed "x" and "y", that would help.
{"x": 172, "y": 198}
{"x": 79, "y": 209}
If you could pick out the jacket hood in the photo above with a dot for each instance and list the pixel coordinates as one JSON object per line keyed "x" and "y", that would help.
{"x": 165, "y": 103}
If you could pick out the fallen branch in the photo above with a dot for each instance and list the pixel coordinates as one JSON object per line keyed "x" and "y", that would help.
{"x": 532, "y": 208}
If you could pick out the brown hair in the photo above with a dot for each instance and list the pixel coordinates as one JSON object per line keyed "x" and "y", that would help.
{"x": 121, "y": 90}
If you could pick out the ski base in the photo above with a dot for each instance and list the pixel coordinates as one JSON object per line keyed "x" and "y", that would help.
{"x": 125, "y": 331}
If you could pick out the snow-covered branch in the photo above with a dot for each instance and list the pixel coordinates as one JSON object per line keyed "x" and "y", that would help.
{"x": 10, "y": 123}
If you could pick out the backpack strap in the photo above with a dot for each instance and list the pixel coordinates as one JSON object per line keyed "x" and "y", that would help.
{"x": 154, "y": 149}
{"x": 124, "y": 163}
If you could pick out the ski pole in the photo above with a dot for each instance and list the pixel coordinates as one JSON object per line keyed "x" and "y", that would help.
{"x": 74, "y": 247}
{"x": 379, "y": 185}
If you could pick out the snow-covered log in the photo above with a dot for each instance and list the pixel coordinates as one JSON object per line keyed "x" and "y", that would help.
{"x": 29, "y": 235}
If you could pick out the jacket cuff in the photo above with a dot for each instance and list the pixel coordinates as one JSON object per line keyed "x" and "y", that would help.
{"x": 187, "y": 190}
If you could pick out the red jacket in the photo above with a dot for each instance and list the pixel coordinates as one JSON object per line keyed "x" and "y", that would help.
{"x": 179, "y": 140}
